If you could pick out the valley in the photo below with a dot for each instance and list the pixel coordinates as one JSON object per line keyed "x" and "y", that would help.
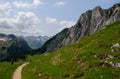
{"x": 90, "y": 49}
{"x": 35, "y": 42}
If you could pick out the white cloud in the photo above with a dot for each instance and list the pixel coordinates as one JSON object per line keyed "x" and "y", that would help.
{"x": 22, "y": 23}
{"x": 37, "y": 2}
{"x": 5, "y": 9}
{"x": 60, "y": 3}
{"x": 25, "y": 23}
{"x": 26, "y": 20}
{"x": 21, "y": 4}
{"x": 66, "y": 24}
{"x": 26, "y": 4}
{"x": 50, "y": 20}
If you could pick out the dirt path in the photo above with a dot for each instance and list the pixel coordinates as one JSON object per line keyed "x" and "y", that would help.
{"x": 17, "y": 73}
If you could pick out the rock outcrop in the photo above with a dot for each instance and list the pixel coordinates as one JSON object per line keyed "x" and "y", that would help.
{"x": 89, "y": 22}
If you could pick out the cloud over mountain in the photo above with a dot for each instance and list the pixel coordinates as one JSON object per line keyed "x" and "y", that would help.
{"x": 21, "y": 23}
{"x": 43, "y": 17}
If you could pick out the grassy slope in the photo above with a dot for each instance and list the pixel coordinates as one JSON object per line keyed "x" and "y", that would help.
{"x": 6, "y": 69}
{"x": 84, "y": 59}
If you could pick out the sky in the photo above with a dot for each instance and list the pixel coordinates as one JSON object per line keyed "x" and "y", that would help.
{"x": 44, "y": 17}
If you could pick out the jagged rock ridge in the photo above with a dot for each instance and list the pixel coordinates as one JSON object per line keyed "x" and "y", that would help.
{"x": 89, "y": 22}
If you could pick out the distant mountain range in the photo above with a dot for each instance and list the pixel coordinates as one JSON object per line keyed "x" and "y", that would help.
{"x": 35, "y": 42}
{"x": 17, "y": 47}
{"x": 12, "y": 47}
{"x": 89, "y": 22}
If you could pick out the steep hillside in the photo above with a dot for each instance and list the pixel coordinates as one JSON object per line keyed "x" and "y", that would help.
{"x": 35, "y": 42}
{"x": 89, "y": 22}
{"x": 94, "y": 57}
{"x": 12, "y": 48}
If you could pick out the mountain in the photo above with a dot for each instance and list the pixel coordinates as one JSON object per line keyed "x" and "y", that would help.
{"x": 35, "y": 42}
{"x": 89, "y": 22}
{"x": 12, "y": 47}
{"x": 96, "y": 56}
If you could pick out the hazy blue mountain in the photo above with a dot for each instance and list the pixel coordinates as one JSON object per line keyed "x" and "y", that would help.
{"x": 36, "y": 42}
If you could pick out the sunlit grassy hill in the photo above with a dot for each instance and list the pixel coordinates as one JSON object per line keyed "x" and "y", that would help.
{"x": 94, "y": 57}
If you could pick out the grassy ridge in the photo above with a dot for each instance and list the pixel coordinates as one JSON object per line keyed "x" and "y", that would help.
{"x": 85, "y": 59}
{"x": 7, "y": 69}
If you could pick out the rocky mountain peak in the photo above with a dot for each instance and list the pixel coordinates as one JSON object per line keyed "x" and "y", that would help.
{"x": 89, "y": 22}
{"x": 97, "y": 8}
{"x": 116, "y": 5}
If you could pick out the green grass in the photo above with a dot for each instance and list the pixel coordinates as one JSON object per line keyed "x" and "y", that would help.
{"x": 84, "y": 59}
{"x": 7, "y": 69}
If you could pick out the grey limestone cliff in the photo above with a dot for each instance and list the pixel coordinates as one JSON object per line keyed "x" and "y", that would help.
{"x": 88, "y": 23}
